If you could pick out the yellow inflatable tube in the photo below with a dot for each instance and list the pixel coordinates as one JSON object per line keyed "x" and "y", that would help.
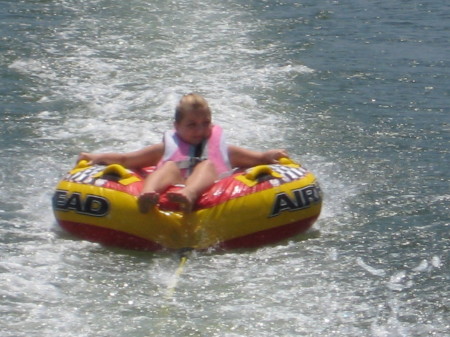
{"x": 250, "y": 208}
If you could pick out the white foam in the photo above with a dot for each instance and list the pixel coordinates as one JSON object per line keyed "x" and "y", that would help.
{"x": 436, "y": 262}
{"x": 422, "y": 266}
{"x": 370, "y": 269}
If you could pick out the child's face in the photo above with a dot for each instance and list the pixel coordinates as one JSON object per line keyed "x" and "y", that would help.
{"x": 194, "y": 127}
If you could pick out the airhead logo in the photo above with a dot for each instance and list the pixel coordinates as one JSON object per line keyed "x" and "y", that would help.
{"x": 92, "y": 205}
{"x": 302, "y": 198}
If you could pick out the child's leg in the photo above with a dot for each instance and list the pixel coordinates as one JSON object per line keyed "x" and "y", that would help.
{"x": 202, "y": 177}
{"x": 158, "y": 181}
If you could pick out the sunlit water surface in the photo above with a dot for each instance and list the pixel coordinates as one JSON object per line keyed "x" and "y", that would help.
{"x": 358, "y": 91}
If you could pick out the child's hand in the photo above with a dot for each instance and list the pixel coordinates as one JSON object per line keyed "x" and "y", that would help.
{"x": 272, "y": 156}
{"x": 91, "y": 158}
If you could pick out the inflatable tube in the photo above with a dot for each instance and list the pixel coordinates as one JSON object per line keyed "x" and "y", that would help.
{"x": 250, "y": 208}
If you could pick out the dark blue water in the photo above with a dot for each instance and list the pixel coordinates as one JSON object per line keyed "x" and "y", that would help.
{"x": 358, "y": 91}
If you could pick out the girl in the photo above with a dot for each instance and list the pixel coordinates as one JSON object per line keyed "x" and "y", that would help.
{"x": 194, "y": 155}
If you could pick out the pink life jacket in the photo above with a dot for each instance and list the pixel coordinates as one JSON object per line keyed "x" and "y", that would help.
{"x": 184, "y": 154}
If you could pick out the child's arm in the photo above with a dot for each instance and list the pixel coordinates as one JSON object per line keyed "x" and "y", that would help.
{"x": 148, "y": 156}
{"x": 240, "y": 157}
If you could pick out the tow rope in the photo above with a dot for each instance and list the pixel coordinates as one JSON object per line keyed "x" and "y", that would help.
{"x": 183, "y": 255}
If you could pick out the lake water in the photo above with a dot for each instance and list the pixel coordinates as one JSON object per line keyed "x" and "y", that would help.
{"x": 358, "y": 91}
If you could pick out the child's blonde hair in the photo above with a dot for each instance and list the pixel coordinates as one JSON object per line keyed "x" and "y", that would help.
{"x": 190, "y": 102}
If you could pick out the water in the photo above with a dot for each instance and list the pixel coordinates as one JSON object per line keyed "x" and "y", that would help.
{"x": 358, "y": 91}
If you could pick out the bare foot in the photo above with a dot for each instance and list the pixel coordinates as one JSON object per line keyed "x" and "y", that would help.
{"x": 184, "y": 197}
{"x": 147, "y": 200}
